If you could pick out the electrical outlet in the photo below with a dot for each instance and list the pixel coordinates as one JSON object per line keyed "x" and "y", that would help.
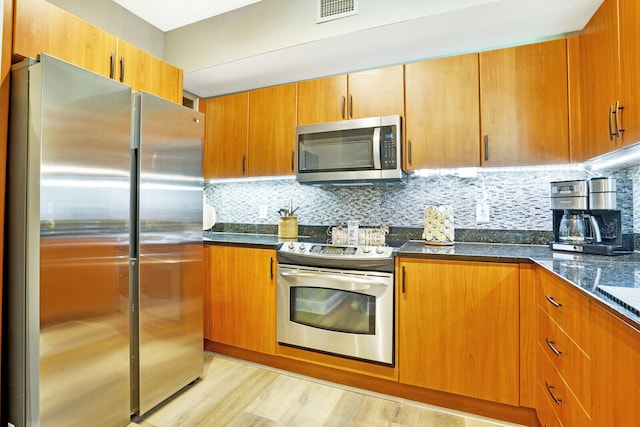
{"x": 263, "y": 211}
{"x": 482, "y": 212}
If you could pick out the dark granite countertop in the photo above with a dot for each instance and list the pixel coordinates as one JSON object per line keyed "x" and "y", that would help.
{"x": 586, "y": 272}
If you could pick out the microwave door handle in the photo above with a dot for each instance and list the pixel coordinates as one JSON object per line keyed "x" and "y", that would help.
{"x": 376, "y": 149}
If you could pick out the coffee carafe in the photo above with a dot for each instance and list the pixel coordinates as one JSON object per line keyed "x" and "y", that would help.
{"x": 572, "y": 228}
{"x": 593, "y": 216}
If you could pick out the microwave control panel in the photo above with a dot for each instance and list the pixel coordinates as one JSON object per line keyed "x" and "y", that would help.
{"x": 388, "y": 156}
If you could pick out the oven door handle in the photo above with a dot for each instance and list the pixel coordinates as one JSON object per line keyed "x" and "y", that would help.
{"x": 335, "y": 277}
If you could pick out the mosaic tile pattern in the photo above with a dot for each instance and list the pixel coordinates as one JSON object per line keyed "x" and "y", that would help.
{"x": 518, "y": 200}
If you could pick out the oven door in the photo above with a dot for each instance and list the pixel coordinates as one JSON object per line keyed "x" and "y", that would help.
{"x": 347, "y": 313}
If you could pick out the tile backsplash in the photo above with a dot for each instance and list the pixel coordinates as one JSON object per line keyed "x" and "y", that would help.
{"x": 518, "y": 199}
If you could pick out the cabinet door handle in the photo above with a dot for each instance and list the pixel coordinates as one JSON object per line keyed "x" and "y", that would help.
{"x": 112, "y": 67}
{"x": 122, "y": 69}
{"x": 610, "y": 125}
{"x": 342, "y": 107}
{"x": 553, "y": 348}
{"x": 553, "y": 301}
{"x": 617, "y": 114}
{"x": 244, "y": 164}
{"x": 409, "y": 151}
{"x": 293, "y": 158}
{"x": 350, "y": 106}
{"x": 271, "y": 268}
{"x": 486, "y": 148}
{"x": 402, "y": 279}
{"x": 553, "y": 396}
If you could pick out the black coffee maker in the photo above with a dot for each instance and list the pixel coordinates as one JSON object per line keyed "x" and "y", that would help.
{"x": 593, "y": 216}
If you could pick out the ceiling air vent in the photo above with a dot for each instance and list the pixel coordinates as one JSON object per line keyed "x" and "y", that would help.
{"x": 334, "y": 9}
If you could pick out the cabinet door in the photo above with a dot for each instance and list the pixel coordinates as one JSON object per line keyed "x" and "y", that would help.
{"x": 272, "y": 130}
{"x": 523, "y": 104}
{"x": 322, "y": 100}
{"x": 616, "y": 376}
{"x": 143, "y": 71}
{"x": 630, "y": 64}
{"x": 442, "y": 119}
{"x": 226, "y": 135}
{"x": 600, "y": 79}
{"x": 378, "y": 92}
{"x": 458, "y": 328}
{"x": 42, "y": 27}
{"x": 242, "y": 297}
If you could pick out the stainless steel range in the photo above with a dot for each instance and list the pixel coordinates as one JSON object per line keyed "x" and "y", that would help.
{"x": 337, "y": 300}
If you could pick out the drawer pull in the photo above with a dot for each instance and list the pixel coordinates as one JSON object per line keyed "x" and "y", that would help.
{"x": 553, "y": 347}
{"x": 550, "y": 390}
{"x": 553, "y": 301}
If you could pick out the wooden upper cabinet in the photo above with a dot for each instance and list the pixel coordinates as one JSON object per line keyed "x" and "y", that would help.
{"x": 322, "y": 100}
{"x": 600, "y": 81}
{"x": 143, "y": 71}
{"x": 371, "y": 93}
{"x": 43, "y": 27}
{"x": 272, "y": 130}
{"x": 524, "y": 105}
{"x": 442, "y": 119}
{"x": 377, "y": 92}
{"x": 226, "y": 138}
{"x": 610, "y": 90}
{"x": 630, "y": 64}
{"x": 459, "y": 328}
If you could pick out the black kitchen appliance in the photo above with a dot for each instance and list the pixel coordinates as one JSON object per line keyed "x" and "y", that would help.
{"x": 593, "y": 216}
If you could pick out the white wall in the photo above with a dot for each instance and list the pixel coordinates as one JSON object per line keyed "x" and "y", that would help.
{"x": 278, "y": 41}
{"x": 276, "y": 24}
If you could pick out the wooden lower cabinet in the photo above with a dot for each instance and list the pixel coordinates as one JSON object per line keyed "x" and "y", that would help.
{"x": 616, "y": 370}
{"x": 458, "y": 328}
{"x": 241, "y": 293}
{"x": 564, "y": 352}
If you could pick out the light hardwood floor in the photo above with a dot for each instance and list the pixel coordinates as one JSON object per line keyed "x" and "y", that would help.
{"x": 237, "y": 393}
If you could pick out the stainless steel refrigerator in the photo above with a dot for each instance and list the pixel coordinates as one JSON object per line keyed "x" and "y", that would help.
{"x": 104, "y": 248}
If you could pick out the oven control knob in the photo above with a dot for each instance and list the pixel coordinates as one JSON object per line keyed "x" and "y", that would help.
{"x": 291, "y": 246}
{"x": 366, "y": 249}
{"x": 380, "y": 250}
{"x": 301, "y": 247}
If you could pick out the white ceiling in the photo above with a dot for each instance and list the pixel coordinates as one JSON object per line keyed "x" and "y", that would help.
{"x": 170, "y": 14}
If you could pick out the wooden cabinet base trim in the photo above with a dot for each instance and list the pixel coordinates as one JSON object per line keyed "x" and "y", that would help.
{"x": 519, "y": 415}
{"x": 354, "y": 366}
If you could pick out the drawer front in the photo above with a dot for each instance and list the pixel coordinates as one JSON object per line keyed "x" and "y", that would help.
{"x": 546, "y": 413}
{"x": 566, "y": 306}
{"x": 558, "y": 395}
{"x": 568, "y": 359}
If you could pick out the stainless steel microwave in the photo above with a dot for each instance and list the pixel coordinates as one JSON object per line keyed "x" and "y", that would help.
{"x": 347, "y": 152}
